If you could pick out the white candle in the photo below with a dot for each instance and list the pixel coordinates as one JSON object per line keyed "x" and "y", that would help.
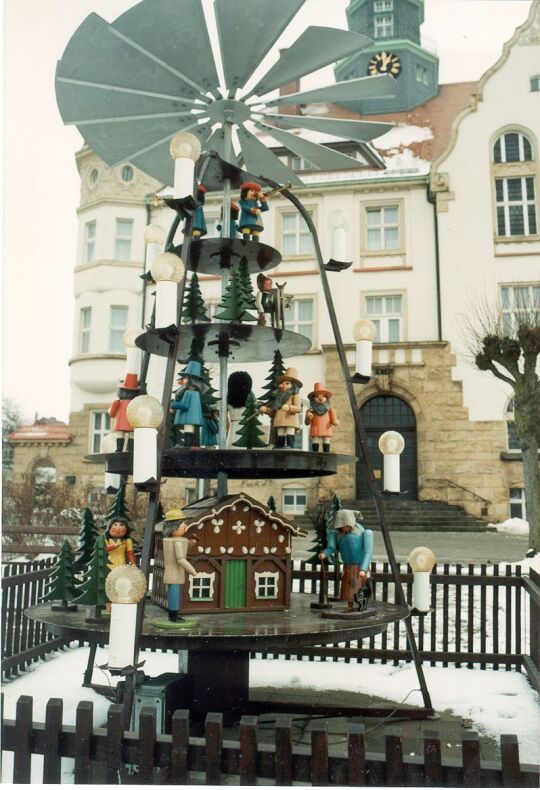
{"x": 184, "y": 174}
{"x": 391, "y": 472}
{"x": 122, "y": 635}
{"x": 166, "y": 293}
{"x": 364, "y": 353}
{"x": 144, "y": 455}
{"x": 339, "y": 244}
{"x": 421, "y": 591}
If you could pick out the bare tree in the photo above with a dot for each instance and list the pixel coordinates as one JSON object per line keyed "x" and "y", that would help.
{"x": 508, "y": 346}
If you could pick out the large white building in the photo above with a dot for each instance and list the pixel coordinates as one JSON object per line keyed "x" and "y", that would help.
{"x": 427, "y": 236}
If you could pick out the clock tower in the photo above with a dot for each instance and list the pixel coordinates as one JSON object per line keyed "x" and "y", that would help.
{"x": 394, "y": 26}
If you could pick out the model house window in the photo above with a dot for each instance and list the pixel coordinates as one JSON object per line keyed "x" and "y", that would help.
{"x": 382, "y": 228}
{"x": 85, "y": 325}
{"x": 201, "y": 586}
{"x": 117, "y": 327}
{"x": 515, "y": 191}
{"x": 89, "y": 241}
{"x": 122, "y": 242}
{"x": 266, "y": 584}
{"x": 520, "y": 304}
{"x": 511, "y": 433}
{"x": 383, "y": 26}
{"x": 100, "y": 425}
{"x": 294, "y": 500}
{"x": 517, "y": 503}
{"x": 299, "y": 317}
{"x": 295, "y": 236}
{"x": 386, "y": 314}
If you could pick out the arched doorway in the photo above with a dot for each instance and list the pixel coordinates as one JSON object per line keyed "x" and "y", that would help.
{"x": 388, "y": 413}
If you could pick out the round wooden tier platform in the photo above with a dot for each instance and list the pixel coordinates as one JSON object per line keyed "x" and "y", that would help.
{"x": 236, "y": 464}
{"x": 220, "y": 644}
{"x": 238, "y": 342}
{"x": 211, "y": 256}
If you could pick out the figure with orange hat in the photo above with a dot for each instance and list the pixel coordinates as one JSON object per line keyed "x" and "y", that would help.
{"x": 321, "y": 417}
{"x": 187, "y": 402}
{"x": 284, "y": 409}
{"x": 126, "y": 393}
{"x": 252, "y": 204}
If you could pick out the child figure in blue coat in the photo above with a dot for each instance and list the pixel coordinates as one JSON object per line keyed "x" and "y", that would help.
{"x": 355, "y": 547}
{"x": 187, "y": 403}
{"x": 252, "y": 204}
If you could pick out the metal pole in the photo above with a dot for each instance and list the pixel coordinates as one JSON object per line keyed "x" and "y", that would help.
{"x": 225, "y": 232}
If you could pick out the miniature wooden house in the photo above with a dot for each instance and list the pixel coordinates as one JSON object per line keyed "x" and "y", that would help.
{"x": 242, "y": 557}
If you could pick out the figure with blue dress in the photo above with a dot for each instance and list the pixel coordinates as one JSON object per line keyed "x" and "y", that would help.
{"x": 198, "y": 227}
{"x": 354, "y": 544}
{"x": 252, "y": 204}
{"x": 187, "y": 403}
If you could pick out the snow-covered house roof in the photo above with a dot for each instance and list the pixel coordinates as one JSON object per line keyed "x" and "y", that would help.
{"x": 201, "y": 510}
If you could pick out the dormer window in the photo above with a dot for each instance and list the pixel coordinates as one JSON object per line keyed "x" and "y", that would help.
{"x": 383, "y": 5}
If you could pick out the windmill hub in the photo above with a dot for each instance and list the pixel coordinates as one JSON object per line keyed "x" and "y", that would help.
{"x": 228, "y": 111}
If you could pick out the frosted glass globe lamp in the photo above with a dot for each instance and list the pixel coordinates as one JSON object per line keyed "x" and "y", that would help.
{"x": 125, "y": 587}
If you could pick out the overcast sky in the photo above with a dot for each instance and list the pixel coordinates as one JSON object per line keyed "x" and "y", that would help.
{"x": 41, "y": 186}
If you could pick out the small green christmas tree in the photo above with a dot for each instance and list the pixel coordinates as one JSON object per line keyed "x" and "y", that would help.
{"x": 336, "y": 503}
{"x": 118, "y": 506}
{"x": 92, "y": 589}
{"x": 88, "y": 533}
{"x": 246, "y": 285}
{"x": 250, "y": 430}
{"x": 62, "y": 585}
{"x": 271, "y": 504}
{"x": 277, "y": 369}
{"x": 233, "y": 304}
{"x": 193, "y": 309}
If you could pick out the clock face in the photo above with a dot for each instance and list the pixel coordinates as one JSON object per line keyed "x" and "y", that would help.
{"x": 384, "y": 63}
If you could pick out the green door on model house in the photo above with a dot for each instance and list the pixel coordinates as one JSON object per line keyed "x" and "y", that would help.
{"x": 235, "y": 584}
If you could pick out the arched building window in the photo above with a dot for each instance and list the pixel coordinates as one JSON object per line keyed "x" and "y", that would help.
{"x": 514, "y": 169}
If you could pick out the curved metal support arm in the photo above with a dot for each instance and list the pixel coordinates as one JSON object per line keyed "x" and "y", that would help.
{"x": 361, "y": 433}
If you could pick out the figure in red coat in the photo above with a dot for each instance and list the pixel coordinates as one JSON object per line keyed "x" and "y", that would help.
{"x": 321, "y": 417}
{"x": 129, "y": 390}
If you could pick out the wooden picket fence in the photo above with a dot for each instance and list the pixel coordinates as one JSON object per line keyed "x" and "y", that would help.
{"x": 112, "y": 755}
{"x": 478, "y": 618}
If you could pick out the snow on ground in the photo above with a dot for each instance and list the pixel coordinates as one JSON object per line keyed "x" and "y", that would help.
{"x": 512, "y": 526}
{"x": 497, "y": 702}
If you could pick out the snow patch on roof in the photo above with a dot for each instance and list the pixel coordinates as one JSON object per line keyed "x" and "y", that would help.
{"x": 404, "y": 134}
